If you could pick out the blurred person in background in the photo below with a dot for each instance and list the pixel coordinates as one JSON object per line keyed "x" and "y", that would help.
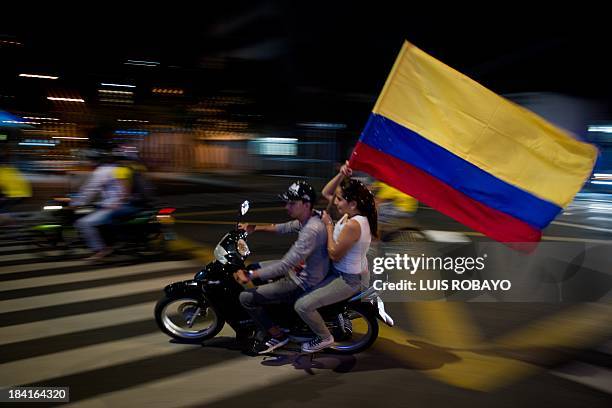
{"x": 112, "y": 182}
{"x": 142, "y": 191}
{"x": 14, "y": 188}
{"x": 348, "y": 242}
{"x": 396, "y": 210}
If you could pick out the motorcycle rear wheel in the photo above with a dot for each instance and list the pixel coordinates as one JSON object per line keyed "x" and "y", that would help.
{"x": 173, "y": 315}
{"x": 364, "y": 331}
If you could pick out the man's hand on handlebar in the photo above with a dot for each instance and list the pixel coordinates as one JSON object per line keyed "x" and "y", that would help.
{"x": 242, "y": 277}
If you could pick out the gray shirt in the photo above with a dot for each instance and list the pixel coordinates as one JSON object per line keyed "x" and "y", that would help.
{"x": 306, "y": 262}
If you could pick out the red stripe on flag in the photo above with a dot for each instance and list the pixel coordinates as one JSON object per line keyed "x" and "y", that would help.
{"x": 440, "y": 196}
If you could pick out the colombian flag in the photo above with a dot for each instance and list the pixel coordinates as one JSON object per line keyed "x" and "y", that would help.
{"x": 451, "y": 143}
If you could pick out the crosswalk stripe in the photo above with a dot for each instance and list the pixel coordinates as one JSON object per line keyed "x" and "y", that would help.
{"x": 37, "y": 369}
{"x": 41, "y": 266}
{"x": 96, "y": 274}
{"x": 586, "y": 374}
{"x": 30, "y": 256}
{"x": 247, "y": 374}
{"x": 17, "y": 247}
{"x": 31, "y": 302}
{"x": 76, "y": 323}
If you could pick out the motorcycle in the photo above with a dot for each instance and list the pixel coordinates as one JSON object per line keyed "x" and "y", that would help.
{"x": 143, "y": 233}
{"x": 195, "y": 310}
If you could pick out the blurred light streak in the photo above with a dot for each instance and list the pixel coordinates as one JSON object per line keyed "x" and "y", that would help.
{"x": 36, "y": 132}
{"x": 277, "y": 140}
{"x": 131, "y": 132}
{"x": 602, "y": 176}
{"x": 39, "y": 118}
{"x": 38, "y": 76}
{"x": 36, "y": 144}
{"x": 603, "y": 129}
{"x": 116, "y": 100}
{"x": 599, "y": 219}
{"x": 108, "y": 91}
{"x": 171, "y": 91}
{"x": 118, "y": 85}
{"x": 21, "y": 122}
{"x": 70, "y": 137}
{"x": 51, "y": 98}
{"x": 323, "y": 125}
{"x": 142, "y": 63}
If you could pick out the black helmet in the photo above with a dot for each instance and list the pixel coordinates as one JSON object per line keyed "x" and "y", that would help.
{"x": 299, "y": 190}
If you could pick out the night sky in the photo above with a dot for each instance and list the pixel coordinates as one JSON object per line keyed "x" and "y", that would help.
{"x": 287, "y": 49}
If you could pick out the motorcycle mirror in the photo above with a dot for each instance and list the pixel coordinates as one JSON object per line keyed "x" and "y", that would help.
{"x": 244, "y": 208}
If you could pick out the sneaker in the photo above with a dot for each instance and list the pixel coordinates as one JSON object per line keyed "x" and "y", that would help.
{"x": 317, "y": 344}
{"x": 272, "y": 344}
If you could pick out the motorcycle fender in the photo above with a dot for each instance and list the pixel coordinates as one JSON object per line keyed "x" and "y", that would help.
{"x": 381, "y": 314}
{"x": 188, "y": 287}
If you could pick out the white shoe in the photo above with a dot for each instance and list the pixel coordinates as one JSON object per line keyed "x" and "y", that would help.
{"x": 274, "y": 343}
{"x": 317, "y": 344}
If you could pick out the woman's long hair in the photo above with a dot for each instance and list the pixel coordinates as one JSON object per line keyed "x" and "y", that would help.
{"x": 355, "y": 190}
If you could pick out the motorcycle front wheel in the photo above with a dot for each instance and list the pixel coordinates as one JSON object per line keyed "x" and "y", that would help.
{"x": 361, "y": 330}
{"x": 187, "y": 319}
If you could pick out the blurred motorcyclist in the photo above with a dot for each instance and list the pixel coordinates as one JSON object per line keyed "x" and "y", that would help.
{"x": 14, "y": 187}
{"x": 396, "y": 210}
{"x": 112, "y": 181}
{"x": 141, "y": 189}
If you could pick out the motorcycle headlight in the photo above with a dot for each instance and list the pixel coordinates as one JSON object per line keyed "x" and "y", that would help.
{"x": 220, "y": 254}
{"x": 243, "y": 248}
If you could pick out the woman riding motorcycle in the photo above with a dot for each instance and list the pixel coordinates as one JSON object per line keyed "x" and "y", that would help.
{"x": 347, "y": 245}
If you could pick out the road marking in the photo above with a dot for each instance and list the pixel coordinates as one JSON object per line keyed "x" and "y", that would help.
{"x": 205, "y": 222}
{"x": 201, "y": 252}
{"x": 447, "y": 324}
{"x": 216, "y": 212}
{"x": 17, "y": 247}
{"x": 50, "y": 253}
{"x": 55, "y": 299}
{"x": 467, "y": 233}
{"x": 247, "y": 374}
{"x": 585, "y": 240}
{"x": 490, "y": 365}
{"x": 97, "y": 274}
{"x": 586, "y": 374}
{"x": 42, "y": 266}
{"x": 76, "y": 323}
{"x": 587, "y": 227}
{"x": 216, "y": 222}
{"x": 37, "y": 369}
{"x": 553, "y": 238}
{"x": 94, "y": 357}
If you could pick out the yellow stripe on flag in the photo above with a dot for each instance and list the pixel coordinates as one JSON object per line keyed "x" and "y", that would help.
{"x": 472, "y": 122}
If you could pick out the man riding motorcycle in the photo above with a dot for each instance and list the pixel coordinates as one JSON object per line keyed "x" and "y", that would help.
{"x": 14, "y": 187}
{"x": 303, "y": 266}
{"x": 113, "y": 182}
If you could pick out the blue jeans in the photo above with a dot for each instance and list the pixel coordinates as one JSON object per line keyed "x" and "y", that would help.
{"x": 88, "y": 227}
{"x": 89, "y": 224}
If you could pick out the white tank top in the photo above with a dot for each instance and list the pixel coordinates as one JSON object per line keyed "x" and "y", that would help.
{"x": 354, "y": 261}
